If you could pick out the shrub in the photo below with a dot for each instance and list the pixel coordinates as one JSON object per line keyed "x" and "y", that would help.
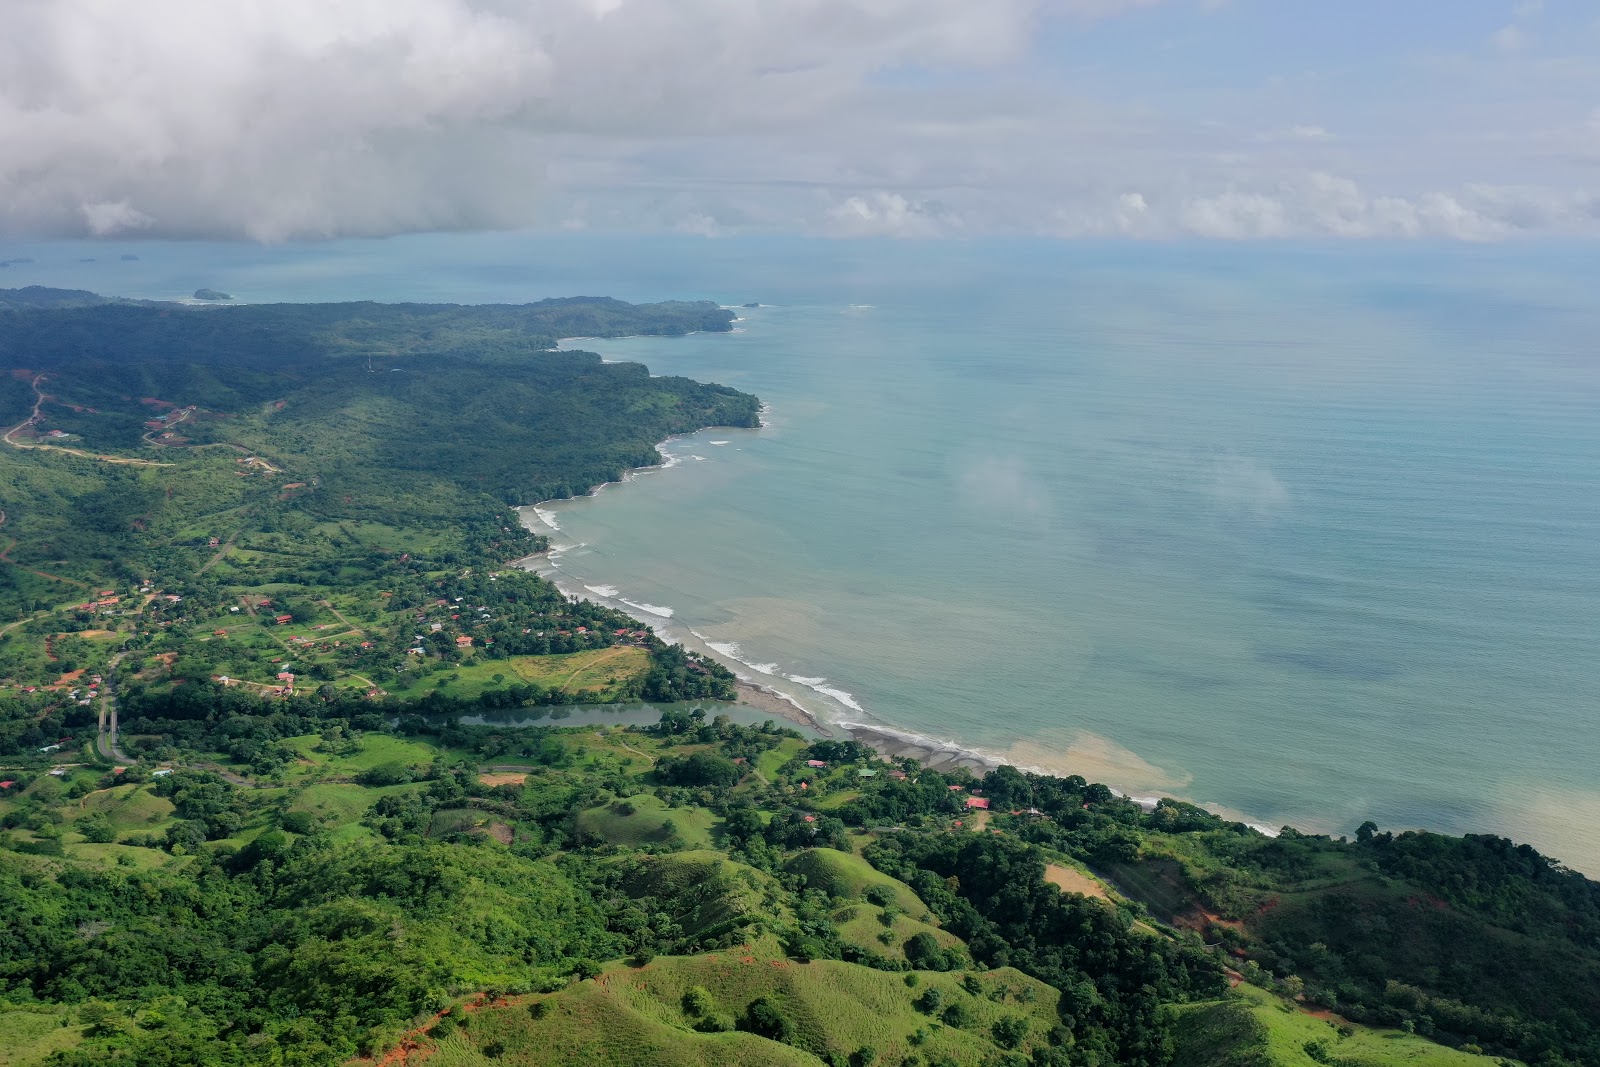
{"x": 391, "y": 773}
{"x": 1010, "y": 1031}
{"x": 957, "y": 1015}
{"x": 765, "y": 1018}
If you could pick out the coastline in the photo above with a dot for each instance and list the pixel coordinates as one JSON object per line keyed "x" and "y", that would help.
{"x": 888, "y": 741}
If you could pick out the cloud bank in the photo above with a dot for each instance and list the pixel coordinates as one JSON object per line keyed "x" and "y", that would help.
{"x": 289, "y": 119}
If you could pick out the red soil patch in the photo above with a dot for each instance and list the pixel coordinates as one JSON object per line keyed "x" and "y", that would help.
{"x": 502, "y": 779}
{"x": 1070, "y": 881}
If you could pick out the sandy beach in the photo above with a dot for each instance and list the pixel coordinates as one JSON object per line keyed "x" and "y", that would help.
{"x": 764, "y": 699}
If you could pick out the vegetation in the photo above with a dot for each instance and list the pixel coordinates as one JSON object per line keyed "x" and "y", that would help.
{"x": 299, "y": 848}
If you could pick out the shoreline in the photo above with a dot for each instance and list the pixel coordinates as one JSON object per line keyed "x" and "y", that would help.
{"x": 888, "y": 741}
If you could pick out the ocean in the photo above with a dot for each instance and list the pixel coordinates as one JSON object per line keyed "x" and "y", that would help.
{"x": 1306, "y": 534}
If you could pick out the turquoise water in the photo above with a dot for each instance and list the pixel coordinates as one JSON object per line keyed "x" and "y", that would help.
{"x": 1309, "y": 535}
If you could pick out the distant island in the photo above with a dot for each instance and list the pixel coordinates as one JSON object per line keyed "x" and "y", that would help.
{"x": 211, "y": 294}
{"x": 298, "y": 764}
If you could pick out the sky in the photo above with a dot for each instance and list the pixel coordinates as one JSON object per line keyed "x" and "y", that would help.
{"x": 279, "y": 120}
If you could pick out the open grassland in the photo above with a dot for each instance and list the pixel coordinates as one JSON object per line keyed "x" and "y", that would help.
{"x": 30, "y": 1033}
{"x": 849, "y": 877}
{"x": 376, "y": 749}
{"x": 1257, "y": 1029}
{"x": 863, "y": 926}
{"x": 342, "y": 804}
{"x": 636, "y": 1015}
{"x": 129, "y": 808}
{"x": 645, "y": 820}
{"x": 596, "y": 672}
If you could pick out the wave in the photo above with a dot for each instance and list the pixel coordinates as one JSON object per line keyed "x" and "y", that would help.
{"x": 649, "y": 609}
{"x": 732, "y": 650}
{"x": 820, "y": 685}
{"x": 546, "y": 517}
{"x": 610, "y": 592}
{"x": 719, "y": 442}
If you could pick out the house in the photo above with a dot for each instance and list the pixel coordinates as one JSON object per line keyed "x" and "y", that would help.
{"x": 815, "y": 763}
{"x": 59, "y": 772}
{"x": 219, "y": 633}
{"x": 418, "y": 651}
{"x": 866, "y": 772}
{"x": 286, "y": 676}
{"x": 214, "y": 542}
{"x": 7, "y": 784}
{"x": 284, "y": 620}
{"x": 898, "y": 775}
{"x": 463, "y": 641}
{"x": 162, "y": 773}
{"x": 51, "y": 748}
{"x": 436, "y": 627}
{"x": 978, "y": 803}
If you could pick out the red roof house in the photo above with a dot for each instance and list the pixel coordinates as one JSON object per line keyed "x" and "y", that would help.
{"x": 980, "y": 803}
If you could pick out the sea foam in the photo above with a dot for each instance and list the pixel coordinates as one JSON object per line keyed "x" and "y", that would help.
{"x": 732, "y": 650}
{"x": 649, "y": 609}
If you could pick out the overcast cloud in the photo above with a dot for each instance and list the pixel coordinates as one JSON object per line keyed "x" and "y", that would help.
{"x": 1228, "y": 119}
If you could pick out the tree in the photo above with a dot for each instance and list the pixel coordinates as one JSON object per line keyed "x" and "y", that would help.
{"x": 764, "y": 1017}
{"x": 1010, "y": 1031}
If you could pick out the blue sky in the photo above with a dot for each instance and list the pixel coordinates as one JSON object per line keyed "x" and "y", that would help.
{"x": 272, "y": 120}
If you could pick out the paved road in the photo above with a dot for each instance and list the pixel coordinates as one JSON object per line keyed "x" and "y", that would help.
{"x": 105, "y": 741}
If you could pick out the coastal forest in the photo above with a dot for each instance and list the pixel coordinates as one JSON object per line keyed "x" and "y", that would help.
{"x": 299, "y": 766}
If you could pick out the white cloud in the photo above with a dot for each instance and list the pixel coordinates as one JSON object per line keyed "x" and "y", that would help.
{"x": 279, "y": 119}
{"x": 106, "y": 219}
{"x": 881, "y": 214}
{"x": 1003, "y": 486}
{"x": 1245, "y": 484}
{"x": 285, "y": 118}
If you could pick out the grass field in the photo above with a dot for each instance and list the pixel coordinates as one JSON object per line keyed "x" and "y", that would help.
{"x": 596, "y": 671}
{"x": 129, "y": 808}
{"x": 862, "y": 924}
{"x": 582, "y": 671}
{"x": 651, "y": 823}
{"x": 376, "y": 749}
{"x": 342, "y": 804}
{"x": 1260, "y": 1030}
{"x": 30, "y": 1034}
{"x": 849, "y": 877}
{"x": 633, "y": 1017}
